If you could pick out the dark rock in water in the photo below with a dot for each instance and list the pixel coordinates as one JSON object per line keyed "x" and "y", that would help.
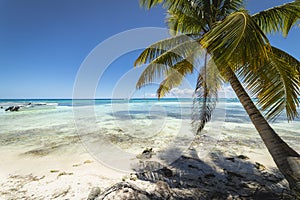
{"x": 1, "y": 107}
{"x": 13, "y": 108}
{"x": 16, "y": 108}
{"x": 94, "y": 193}
{"x": 9, "y": 108}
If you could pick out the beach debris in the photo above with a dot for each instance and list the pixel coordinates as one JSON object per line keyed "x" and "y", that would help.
{"x": 87, "y": 161}
{"x": 259, "y": 166}
{"x": 38, "y": 152}
{"x": 61, "y": 192}
{"x": 132, "y": 177}
{"x": 76, "y": 165}
{"x": 54, "y": 171}
{"x": 146, "y": 154}
{"x": 114, "y": 189}
{"x": 94, "y": 193}
{"x": 163, "y": 191}
{"x": 243, "y": 157}
{"x": 64, "y": 173}
{"x": 13, "y": 108}
{"x": 119, "y": 130}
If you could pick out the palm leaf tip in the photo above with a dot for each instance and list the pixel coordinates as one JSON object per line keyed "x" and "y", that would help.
{"x": 174, "y": 75}
{"x": 150, "y": 3}
{"x": 275, "y": 84}
{"x": 280, "y": 18}
{"x": 176, "y": 44}
{"x": 206, "y": 96}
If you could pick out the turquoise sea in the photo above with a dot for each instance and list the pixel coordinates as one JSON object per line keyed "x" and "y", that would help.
{"x": 124, "y": 127}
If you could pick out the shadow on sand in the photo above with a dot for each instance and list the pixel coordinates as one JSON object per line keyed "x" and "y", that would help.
{"x": 219, "y": 177}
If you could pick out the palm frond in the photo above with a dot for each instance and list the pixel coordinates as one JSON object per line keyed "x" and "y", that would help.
{"x": 229, "y": 6}
{"x": 279, "y": 18}
{"x": 160, "y": 47}
{"x": 191, "y": 16}
{"x": 276, "y": 85}
{"x": 179, "y": 22}
{"x": 236, "y": 39}
{"x": 159, "y": 66}
{"x": 182, "y": 5}
{"x": 293, "y": 62}
{"x": 150, "y": 3}
{"x": 206, "y": 95}
{"x": 175, "y": 75}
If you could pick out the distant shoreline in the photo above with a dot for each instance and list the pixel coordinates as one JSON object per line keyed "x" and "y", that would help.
{"x": 52, "y": 99}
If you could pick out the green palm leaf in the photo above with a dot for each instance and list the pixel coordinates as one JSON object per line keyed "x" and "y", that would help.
{"x": 179, "y": 22}
{"x": 160, "y": 47}
{"x": 183, "y": 5}
{"x": 159, "y": 66}
{"x": 150, "y": 3}
{"x": 206, "y": 95}
{"x": 280, "y": 18}
{"x": 229, "y": 6}
{"x": 175, "y": 76}
{"x": 236, "y": 39}
{"x": 276, "y": 85}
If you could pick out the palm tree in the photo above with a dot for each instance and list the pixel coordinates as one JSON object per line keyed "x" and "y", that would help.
{"x": 236, "y": 42}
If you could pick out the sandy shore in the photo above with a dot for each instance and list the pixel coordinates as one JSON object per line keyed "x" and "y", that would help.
{"x": 64, "y": 176}
{"x": 208, "y": 165}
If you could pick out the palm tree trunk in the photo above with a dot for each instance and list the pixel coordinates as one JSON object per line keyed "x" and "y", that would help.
{"x": 286, "y": 159}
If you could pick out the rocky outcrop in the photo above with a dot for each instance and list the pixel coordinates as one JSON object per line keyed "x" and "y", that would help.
{"x": 13, "y": 108}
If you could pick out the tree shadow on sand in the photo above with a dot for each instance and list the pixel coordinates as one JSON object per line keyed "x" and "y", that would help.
{"x": 220, "y": 178}
{"x": 189, "y": 177}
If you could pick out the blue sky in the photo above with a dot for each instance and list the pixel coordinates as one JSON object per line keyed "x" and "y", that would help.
{"x": 43, "y": 43}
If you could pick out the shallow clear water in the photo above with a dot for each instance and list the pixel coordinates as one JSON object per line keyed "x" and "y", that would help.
{"x": 128, "y": 125}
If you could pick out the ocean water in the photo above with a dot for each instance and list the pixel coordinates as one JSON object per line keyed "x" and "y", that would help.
{"x": 123, "y": 128}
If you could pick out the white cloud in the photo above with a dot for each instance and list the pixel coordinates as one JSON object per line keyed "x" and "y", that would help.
{"x": 181, "y": 93}
{"x": 174, "y": 93}
{"x": 150, "y": 95}
{"x": 225, "y": 92}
